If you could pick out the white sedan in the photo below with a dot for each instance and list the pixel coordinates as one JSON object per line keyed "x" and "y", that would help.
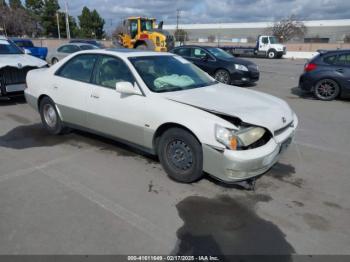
{"x": 165, "y": 105}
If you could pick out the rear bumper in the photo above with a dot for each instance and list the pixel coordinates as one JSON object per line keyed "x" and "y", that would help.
{"x": 305, "y": 83}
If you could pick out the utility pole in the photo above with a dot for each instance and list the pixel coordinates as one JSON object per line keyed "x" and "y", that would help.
{"x": 67, "y": 21}
{"x": 58, "y": 25}
{"x": 177, "y": 18}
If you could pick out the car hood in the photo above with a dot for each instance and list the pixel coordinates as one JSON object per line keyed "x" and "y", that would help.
{"x": 250, "y": 106}
{"x": 20, "y": 60}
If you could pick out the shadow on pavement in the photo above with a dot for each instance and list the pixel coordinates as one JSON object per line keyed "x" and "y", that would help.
{"x": 226, "y": 226}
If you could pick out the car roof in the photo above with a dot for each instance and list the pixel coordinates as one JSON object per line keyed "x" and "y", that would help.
{"x": 200, "y": 46}
{"x": 19, "y": 39}
{"x": 76, "y": 44}
{"x": 333, "y": 51}
{"x": 125, "y": 52}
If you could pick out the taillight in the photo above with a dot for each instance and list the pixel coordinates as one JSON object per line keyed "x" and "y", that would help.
{"x": 310, "y": 67}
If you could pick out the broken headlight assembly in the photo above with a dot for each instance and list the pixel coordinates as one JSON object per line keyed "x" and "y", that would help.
{"x": 239, "y": 139}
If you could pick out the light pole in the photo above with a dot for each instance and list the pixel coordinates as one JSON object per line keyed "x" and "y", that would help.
{"x": 67, "y": 21}
{"x": 58, "y": 25}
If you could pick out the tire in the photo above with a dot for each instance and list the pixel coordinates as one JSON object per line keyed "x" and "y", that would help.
{"x": 54, "y": 61}
{"x": 181, "y": 155}
{"x": 326, "y": 89}
{"x": 223, "y": 76}
{"x": 50, "y": 117}
{"x": 271, "y": 54}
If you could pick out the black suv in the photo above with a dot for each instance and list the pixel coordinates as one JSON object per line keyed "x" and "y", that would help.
{"x": 224, "y": 67}
{"x": 327, "y": 75}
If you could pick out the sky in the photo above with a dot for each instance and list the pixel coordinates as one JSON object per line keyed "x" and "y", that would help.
{"x": 213, "y": 11}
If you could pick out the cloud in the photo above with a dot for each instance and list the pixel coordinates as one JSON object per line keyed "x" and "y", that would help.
{"x": 213, "y": 11}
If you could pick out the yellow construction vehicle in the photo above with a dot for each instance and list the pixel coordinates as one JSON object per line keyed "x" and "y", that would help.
{"x": 143, "y": 33}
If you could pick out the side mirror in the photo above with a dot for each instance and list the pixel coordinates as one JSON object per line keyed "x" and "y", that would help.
{"x": 126, "y": 88}
{"x": 27, "y": 52}
{"x": 205, "y": 58}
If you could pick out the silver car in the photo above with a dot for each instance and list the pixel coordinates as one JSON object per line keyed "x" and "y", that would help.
{"x": 64, "y": 50}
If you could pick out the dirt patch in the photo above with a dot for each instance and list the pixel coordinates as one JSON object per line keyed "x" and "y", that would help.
{"x": 316, "y": 222}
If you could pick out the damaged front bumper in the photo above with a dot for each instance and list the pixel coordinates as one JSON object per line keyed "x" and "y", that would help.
{"x": 233, "y": 166}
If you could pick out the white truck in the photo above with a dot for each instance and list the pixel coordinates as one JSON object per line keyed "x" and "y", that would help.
{"x": 266, "y": 46}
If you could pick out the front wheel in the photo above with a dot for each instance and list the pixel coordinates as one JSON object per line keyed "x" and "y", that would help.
{"x": 50, "y": 117}
{"x": 271, "y": 54}
{"x": 181, "y": 155}
{"x": 327, "y": 90}
{"x": 223, "y": 76}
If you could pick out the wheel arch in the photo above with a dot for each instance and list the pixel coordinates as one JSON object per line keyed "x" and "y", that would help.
{"x": 41, "y": 97}
{"x": 166, "y": 126}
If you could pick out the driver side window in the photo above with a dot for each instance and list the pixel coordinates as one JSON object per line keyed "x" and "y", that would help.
{"x": 198, "y": 53}
{"x": 111, "y": 70}
{"x": 265, "y": 40}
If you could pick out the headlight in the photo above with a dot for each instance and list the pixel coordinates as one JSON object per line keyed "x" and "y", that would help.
{"x": 241, "y": 67}
{"x": 241, "y": 138}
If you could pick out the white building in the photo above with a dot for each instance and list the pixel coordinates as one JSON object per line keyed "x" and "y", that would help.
{"x": 326, "y": 31}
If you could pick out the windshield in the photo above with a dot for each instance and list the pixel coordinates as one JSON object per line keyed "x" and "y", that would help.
{"x": 9, "y": 48}
{"x": 218, "y": 52}
{"x": 146, "y": 25}
{"x": 24, "y": 43}
{"x": 170, "y": 73}
{"x": 273, "y": 40}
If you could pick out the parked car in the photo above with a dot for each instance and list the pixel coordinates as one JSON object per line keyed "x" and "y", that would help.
{"x": 327, "y": 75}
{"x": 167, "y": 106}
{"x": 67, "y": 49}
{"x": 88, "y": 41}
{"x": 14, "y": 65}
{"x": 224, "y": 67}
{"x": 27, "y": 44}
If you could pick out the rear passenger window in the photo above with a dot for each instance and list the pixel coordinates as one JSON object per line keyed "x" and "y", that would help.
{"x": 183, "y": 52}
{"x": 78, "y": 68}
{"x": 330, "y": 59}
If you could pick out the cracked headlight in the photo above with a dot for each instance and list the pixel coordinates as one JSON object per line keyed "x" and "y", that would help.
{"x": 241, "y": 67}
{"x": 235, "y": 139}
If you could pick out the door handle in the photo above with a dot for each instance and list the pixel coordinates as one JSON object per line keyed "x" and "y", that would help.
{"x": 96, "y": 96}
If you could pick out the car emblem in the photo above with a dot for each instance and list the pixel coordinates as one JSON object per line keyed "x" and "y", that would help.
{"x": 284, "y": 120}
{"x": 19, "y": 65}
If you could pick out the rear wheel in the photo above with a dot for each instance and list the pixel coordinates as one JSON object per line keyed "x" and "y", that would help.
{"x": 327, "y": 89}
{"x": 54, "y": 60}
{"x": 223, "y": 76}
{"x": 50, "y": 117}
{"x": 181, "y": 155}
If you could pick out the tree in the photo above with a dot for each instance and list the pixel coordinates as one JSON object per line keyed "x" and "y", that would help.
{"x": 211, "y": 38}
{"x": 288, "y": 28}
{"x": 74, "y": 30}
{"x": 91, "y": 24}
{"x": 3, "y": 3}
{"x": 346, "y": 38}
{"x": 15, "y": 4}
{"x": 48, "y": 17}
{"x": 35, "y": 7}
{"x": 181, "y": 35}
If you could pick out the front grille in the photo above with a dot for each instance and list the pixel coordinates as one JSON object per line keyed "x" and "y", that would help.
{"x": 281, "y": 130}
{"x": 12, "y": 75}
